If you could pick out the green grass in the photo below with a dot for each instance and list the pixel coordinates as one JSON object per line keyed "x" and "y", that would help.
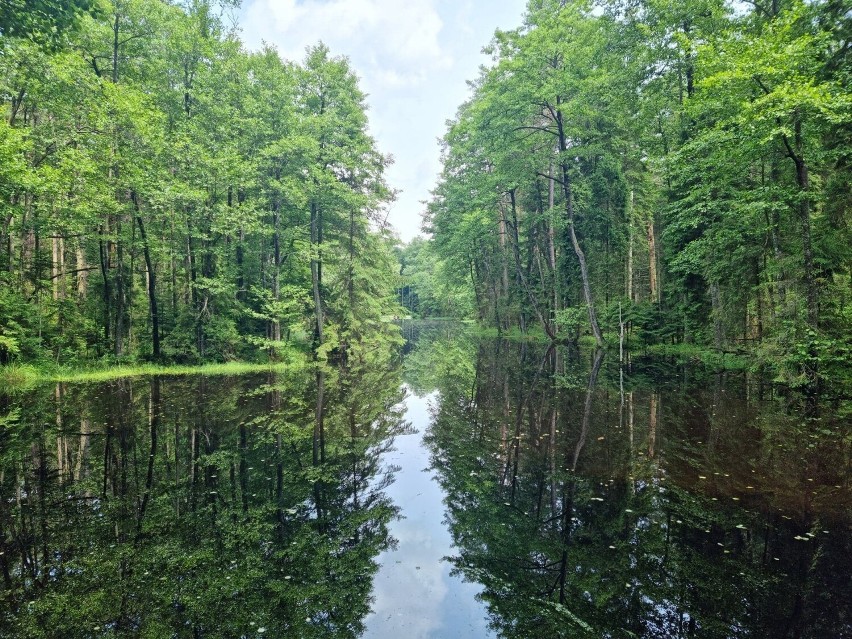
{"x": 18, "y": 376}
{"x": 23, "y": 376}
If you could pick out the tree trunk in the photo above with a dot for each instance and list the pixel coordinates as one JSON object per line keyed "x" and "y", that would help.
{"x": 82, "y": 269}
{"x": 630, "y": 247}
{"x": 718, "y": 326}
{"x": 276, "y": 274}
{"x": 803, "y": 182}
{"x": 104, "y": 259}
{"x": 652, "y": 262}
{"x": 569, "y": 210}
{"x": 522, "y": 281}
{"x": 316, "y": 274}
{"x": 118, "y": 335}
{"x": 551, "y": 240}
{"x": 152, "y": 283}
{"x": 503, "y": 253}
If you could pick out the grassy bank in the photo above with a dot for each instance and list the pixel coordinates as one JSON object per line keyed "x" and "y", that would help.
{"x": 681, "y": 353}
{"x": 693, "y": 354}
{"x": 25, "y": 375}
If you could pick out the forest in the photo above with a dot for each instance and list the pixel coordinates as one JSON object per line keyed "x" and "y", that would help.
{"x": 641, "y": 172}
{"x": 168, "y": 195}
{"x": 634, "y": 191}
{"x": 666, "y": 173}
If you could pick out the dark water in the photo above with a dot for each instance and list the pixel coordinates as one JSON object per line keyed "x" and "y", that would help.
{"x": 473, "y": 488}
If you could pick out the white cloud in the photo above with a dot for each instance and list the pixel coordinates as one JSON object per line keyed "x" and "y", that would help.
{"x": 392, "y": 45}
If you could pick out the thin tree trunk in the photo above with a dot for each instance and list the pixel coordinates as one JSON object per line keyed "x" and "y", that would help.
{"x": 104, "y": 259}
{"x": 316, "y": 274}
{"x": 152, "y": 283}
{"x": 503, "y": 253}
{"x": 569, "y": 210}
{"x": 652, "y": 262}
{"x": 82, "y": 272}
{"x": 276, "y": 256}
{"x": 520, "y": 276}
{"x": 630, "y": 247}
{"x": 718, "y": 326}
{"x": 118, "y": 336}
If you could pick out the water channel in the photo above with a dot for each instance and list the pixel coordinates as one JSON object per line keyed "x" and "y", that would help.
{"x": 468, "y": 488}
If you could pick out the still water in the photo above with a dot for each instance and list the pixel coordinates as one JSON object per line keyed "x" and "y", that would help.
{"x": 470, "y": 488}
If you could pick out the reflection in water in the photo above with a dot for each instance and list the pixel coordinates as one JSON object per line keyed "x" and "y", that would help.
{"x": 415, "y": 593}
{"x": 591, "y": 504}
{"x": 580, "y": 501}
{"x": 197, "y": 507}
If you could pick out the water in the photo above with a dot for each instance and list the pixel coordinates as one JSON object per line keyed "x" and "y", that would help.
{"x": 415, "y": 594}
{"x": 477, "y": 488}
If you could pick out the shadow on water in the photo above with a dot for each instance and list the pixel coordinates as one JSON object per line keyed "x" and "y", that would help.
{"x": 197, "y": 507}
{"x": 591, "y": 502}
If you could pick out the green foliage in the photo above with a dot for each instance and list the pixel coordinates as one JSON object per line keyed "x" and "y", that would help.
{"x": 157, "y": 186}
{"x": 692, "y": 156}
{"x": 43, "y": 21}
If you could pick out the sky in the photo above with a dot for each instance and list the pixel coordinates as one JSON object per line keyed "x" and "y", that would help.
{"x": 414, "y": 58}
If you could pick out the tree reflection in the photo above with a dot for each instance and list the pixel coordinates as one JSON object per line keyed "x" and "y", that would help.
{"x": 590, "y": 503}
{"x": 197, "y": 507}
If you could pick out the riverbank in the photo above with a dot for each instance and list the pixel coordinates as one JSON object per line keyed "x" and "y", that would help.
{"x": 681, "y": 353}
{"x": 26, "y": 375}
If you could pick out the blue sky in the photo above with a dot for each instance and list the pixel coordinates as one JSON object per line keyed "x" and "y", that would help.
{"x": 413, "y": 57}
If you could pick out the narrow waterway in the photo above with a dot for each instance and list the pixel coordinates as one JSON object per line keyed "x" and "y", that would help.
{"x": 416, "y": 596}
